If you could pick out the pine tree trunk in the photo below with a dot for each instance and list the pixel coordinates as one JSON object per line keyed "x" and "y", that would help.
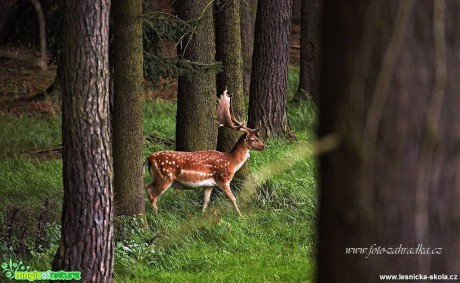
{"x": 389, "y": 89}
{"x": 268, "y": 91}
{"x": 87, "y": 218}
{"x": 196, "y": 95}
{"x": 309, "y": 50}
{"x": 248, "y": 10}
{"x": 228, "y": 51}
{"x": 128, "y": 103}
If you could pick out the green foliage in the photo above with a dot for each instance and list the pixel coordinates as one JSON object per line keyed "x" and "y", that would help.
{"x": 274, "y": 241}
{"x": 29, "y": 181}
{"x": 303, "y": 119}
{"x": 156, "y": 66}
{"x": 28, "y": 132}
{"x": 35, "y": 236}
{"x": 293, "y": 81}
{"x": 160, "y": 27}
{"x": 159, "y": 120}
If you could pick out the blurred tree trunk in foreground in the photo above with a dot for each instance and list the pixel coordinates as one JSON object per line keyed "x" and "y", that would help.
{"x": 87, "y": 217}
{"x": 196, "y": 96}
{"x": 128, "y": 141}
{"x": 268, "y": 91}
{"x": 389, "y": 89}
{"x": 228, "y": 51}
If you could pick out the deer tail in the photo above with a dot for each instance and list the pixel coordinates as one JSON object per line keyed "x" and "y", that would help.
{"x": 148, "y": 167}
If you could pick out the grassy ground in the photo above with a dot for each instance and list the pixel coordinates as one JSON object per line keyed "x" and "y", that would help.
{"x": 273, "y": 242}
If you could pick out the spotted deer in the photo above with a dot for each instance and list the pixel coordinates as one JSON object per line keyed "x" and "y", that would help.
{"x": 200, "y": 169}
{"x": 203, "y": 169}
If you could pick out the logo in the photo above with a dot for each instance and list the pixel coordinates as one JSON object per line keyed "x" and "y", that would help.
{"x": 19, "y": 271}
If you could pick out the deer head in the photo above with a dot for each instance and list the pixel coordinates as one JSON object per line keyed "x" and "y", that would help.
{"x": 251, "y": 138}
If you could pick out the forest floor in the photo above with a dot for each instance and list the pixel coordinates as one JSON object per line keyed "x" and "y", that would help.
{"x": 274, "y": 241}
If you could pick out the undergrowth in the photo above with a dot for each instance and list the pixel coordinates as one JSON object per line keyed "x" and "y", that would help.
{"x": 274, "y": 241}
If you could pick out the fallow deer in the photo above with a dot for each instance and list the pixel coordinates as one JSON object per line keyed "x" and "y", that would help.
{"x": 203, "y": 169}
{"x": 200, "y": 169}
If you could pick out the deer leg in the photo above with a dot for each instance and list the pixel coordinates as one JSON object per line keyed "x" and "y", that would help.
{"x": 154, "y": 191}
{"x": 230, "y": 196}
{"x": 207, "y": 195}
{"x": 149, "y": 189}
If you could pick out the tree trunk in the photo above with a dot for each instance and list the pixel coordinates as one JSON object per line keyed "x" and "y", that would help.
{"x": 20, "y": 25}
{"x": 268, "y": 92}
{"x": 43, "y": 64}
{"x": 309, "y": 50}
{"x": 128, "y": 108}
{"x": 297, "y": 11}
{"x": 389, "y": 89}
{"x": 87, "y": 218}
{"x": 248, "y": 10}
{"x": 228, "y": 51}
{"x": 196, "y": 95}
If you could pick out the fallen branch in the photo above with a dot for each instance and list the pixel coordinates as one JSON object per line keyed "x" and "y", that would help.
{"x": 44, "y": 151}
{"x": 158, "y": 140}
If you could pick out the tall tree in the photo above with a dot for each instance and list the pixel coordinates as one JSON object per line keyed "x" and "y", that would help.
{"x": 389, "y": 89}
{"x": 248, "y": 10}
{"x": 196, "y": 94}
{"x": 127, "y": 107}
{"x": 296, "y": 10}
{"x": 86, "y": 243}
{"x": 309, "y": 50}
{"x": 228, "y": 51}
{"x": 268, "y": 91}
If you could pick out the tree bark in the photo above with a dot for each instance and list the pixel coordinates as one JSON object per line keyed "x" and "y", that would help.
{"x": 389, "y": 89}
{"x": 297, "y": 11}
{"x": 228, "y": 51}
{"x": 248, "y": 10}
{"x": 128, "y": 108}
{"x": 268, "y": 91}
{"x": 196, "y": 95}
{"x": 310, "y": 39}
{"x": 87, "y": 218}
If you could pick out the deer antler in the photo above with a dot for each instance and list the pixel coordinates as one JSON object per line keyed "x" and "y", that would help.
{"x": 224, "y": 115}
{"x": 250, "y": 131}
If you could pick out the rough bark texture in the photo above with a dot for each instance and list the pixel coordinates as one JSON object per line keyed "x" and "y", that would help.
{"x": 248, "y": 11}
{"x": 196, "y": 95}
{"x": 87, "y": 218}
{"x": 309, "y": 50}
{"x": 128, "y": 115}
{"x": 228, "y": 51}
{"x": 389, "y": 88}
{"x": 268, "y": 91}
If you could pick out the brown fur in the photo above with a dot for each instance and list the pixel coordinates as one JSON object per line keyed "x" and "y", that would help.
{"x": 199, "y": 169}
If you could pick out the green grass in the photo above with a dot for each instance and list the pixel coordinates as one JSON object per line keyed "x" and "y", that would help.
{"x": 293, "y": 81}
{"x": 28, "y": 132}
{"x": 274, "y": 241}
